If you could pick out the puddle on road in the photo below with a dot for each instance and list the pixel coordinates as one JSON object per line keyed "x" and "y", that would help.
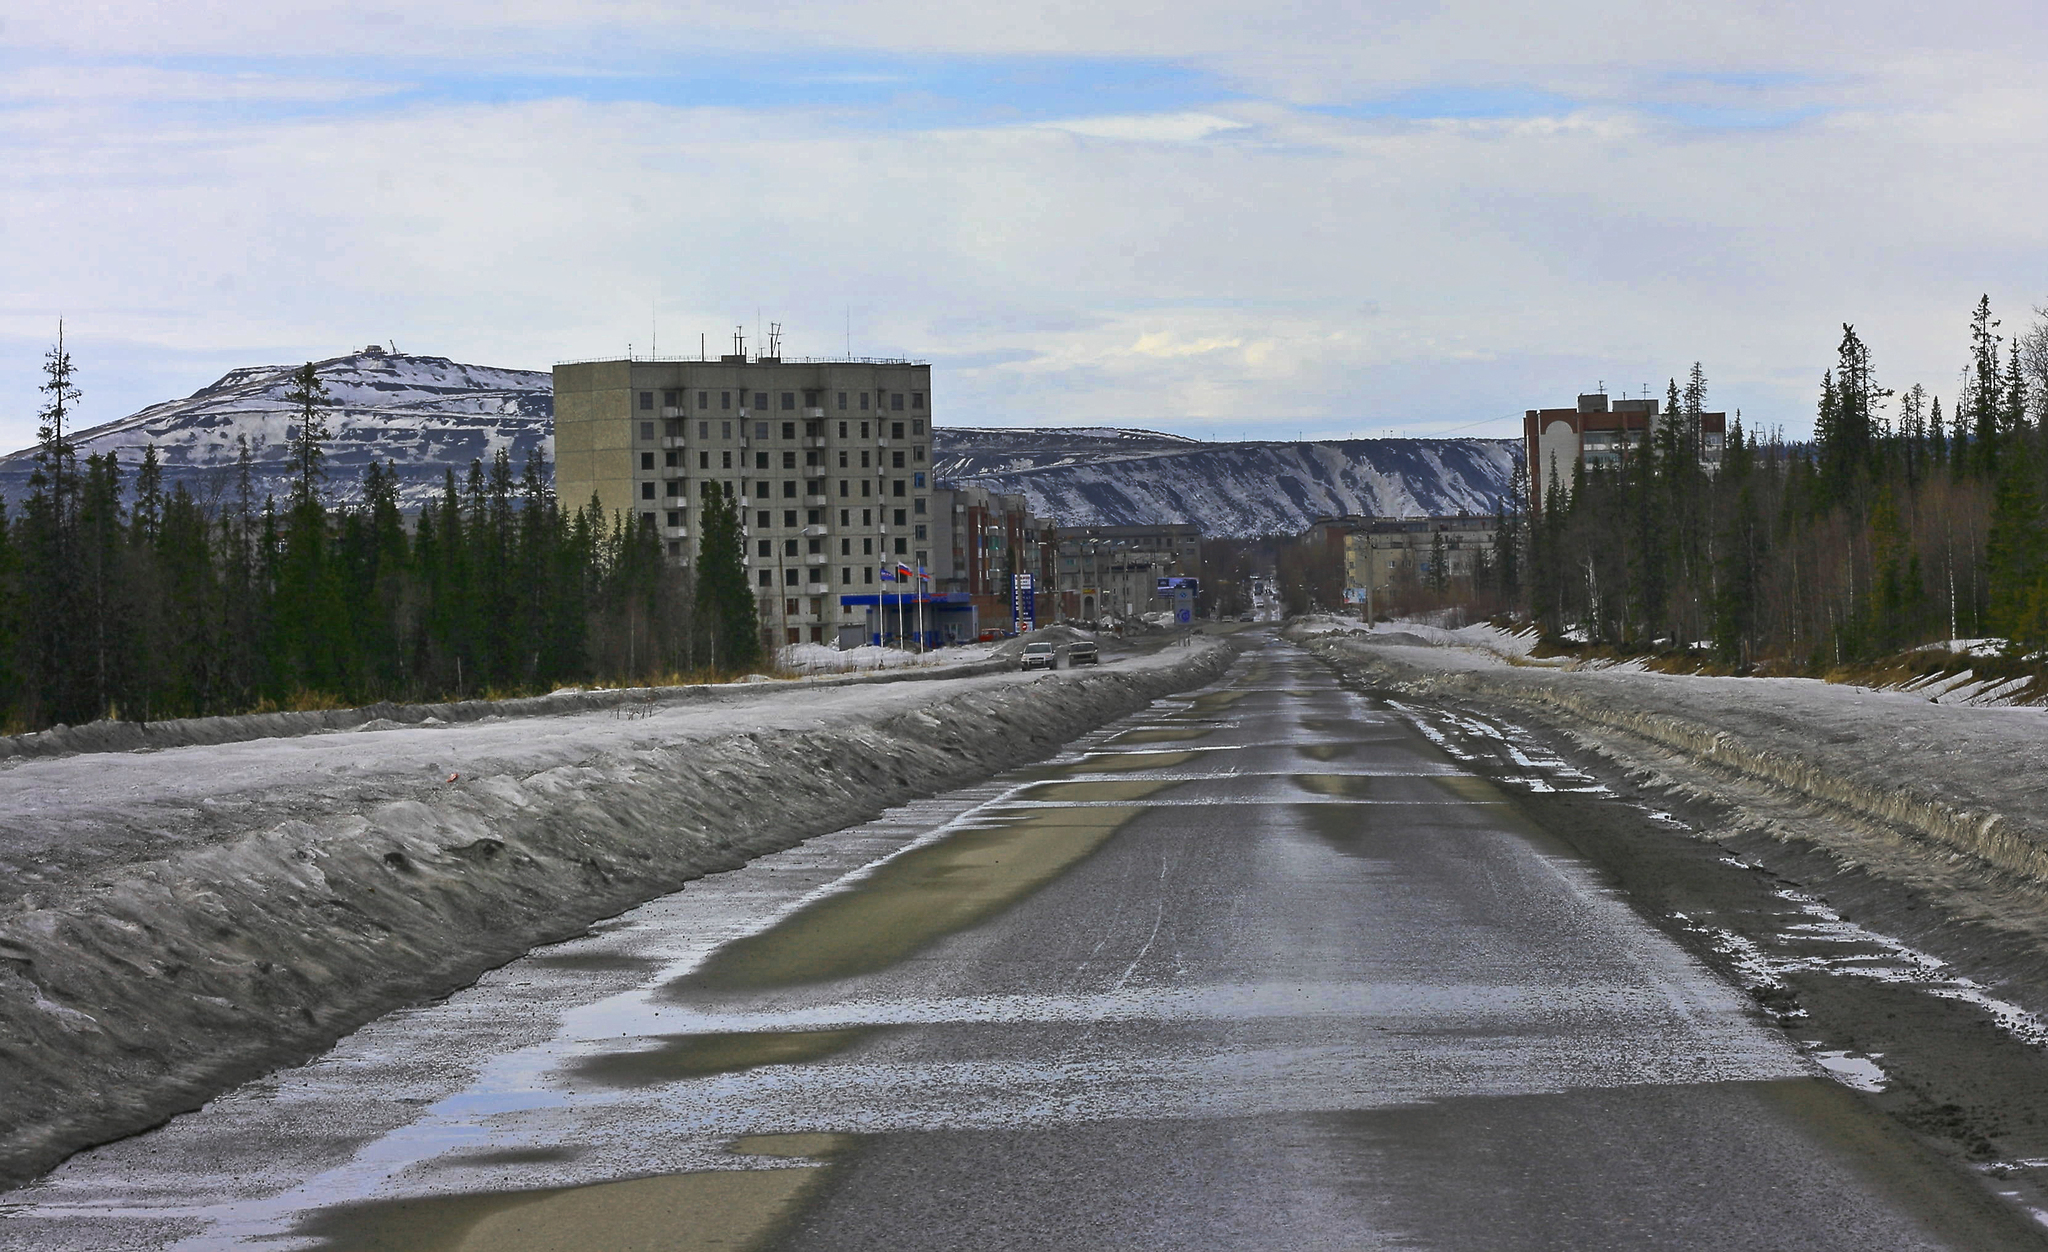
{"x": 1126, "y": 762}
{"x": 724, "y": 1209}
{"x": 696, "y": 1056}
{"x": 1212, "y": 701}
{"x": 1326, "y": 751}
{"x": 1164, "y": 734}
{"x": 1346, "y": 786}
{"x": 1470, "y": 788}
{"x": 1107, "y": 789}
{"x": 909, "y": 901}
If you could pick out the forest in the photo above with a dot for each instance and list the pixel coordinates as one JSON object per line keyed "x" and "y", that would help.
{"x": 121, "y": 599}
{"x": 1901, "y": 523}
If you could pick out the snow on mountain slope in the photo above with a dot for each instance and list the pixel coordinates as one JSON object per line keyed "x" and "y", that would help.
{"x": 424, "y": 413}
{"x": 1245, "y": 489}
{"x": 428, "y": 414}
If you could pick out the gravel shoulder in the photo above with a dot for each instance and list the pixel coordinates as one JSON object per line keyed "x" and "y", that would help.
{"x": 183, "y": 919}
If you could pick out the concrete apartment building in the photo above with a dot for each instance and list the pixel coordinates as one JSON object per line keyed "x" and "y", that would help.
{"x": 829, "y": 460}
{"x": 1379, "y": 552}
{"x": 981, "y": 539}
{"x": 1600, "y": 432}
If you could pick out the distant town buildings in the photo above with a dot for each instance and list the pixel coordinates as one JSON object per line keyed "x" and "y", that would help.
{"x": 1385, "y": 551}
{"x": 829, "y": 461}
{"x": 1599, "y": 432}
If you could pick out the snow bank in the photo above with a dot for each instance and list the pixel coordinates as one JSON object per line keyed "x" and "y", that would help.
{"x": 217, "y": 911}
{"x": 1939, "y": 781}
{"x": 819, "y": 658}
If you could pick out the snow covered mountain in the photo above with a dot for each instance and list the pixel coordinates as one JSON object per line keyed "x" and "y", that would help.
{"x": 1231, "y": 490}
{"x": 423, "y": 413}
{"x": 426, "y": 414}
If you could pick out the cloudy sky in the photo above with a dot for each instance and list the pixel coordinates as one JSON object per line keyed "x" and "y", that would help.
{"x": 1261, "y": 219}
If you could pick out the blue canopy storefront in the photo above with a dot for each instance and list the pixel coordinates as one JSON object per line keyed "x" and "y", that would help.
{"x": 893, "y": 618}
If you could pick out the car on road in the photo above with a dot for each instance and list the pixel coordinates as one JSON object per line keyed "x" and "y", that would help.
{"x": 1083, "y": 652}
{"x": 1244, "y": 617}
{"x": 1038, "y": 654}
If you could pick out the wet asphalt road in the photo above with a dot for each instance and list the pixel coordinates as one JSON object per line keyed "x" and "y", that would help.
{"x": 1260, "y": 969}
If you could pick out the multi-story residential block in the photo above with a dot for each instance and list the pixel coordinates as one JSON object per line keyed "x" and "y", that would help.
{"x": 1600, "y": 433}
{"x": 1379, "y": 552}
{"x": 829, "y": 461}
{"x": 984, "y": 540}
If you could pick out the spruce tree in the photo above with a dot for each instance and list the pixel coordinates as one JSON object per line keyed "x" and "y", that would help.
{"x": 724, "y": 599}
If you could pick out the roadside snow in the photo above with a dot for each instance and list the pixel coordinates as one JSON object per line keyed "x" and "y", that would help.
{"x": 819, "y": 658}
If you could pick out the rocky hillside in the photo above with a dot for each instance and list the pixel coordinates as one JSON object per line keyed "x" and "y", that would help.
{"x": 1234, "y": 489}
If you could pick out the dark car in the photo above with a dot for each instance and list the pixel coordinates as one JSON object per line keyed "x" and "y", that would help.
{"x": 1083, "y": 652}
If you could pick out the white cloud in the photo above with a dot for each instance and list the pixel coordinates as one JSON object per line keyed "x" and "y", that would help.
{"x": 1231, "y": 260}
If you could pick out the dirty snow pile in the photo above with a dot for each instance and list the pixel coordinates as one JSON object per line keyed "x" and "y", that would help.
{"x": 1933, "y": 793}
{"x": 819, "y": 658}
{"x": 183, "y": 919}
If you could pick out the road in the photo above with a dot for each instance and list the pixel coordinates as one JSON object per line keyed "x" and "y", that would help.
{"x": 1261, "y": 968}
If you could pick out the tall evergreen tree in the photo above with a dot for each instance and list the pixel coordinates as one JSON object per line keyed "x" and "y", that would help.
{"x": 724, "y": 598}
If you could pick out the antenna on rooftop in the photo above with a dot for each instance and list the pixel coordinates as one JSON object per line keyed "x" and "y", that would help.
{"x": 775, "y": 340}
{"x": 739, "y": 342}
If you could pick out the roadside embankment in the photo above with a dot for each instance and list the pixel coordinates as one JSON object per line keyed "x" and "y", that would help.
{"x": 1950, "y": 801}
{"x": 184, "y": 919}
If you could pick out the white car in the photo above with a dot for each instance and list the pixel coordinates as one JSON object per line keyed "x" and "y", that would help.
{"x": 1038, "y": 654}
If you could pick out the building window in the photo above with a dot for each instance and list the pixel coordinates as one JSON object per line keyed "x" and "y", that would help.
{"x": 675, "y": 517}
{"x": 670, "y": 459}
{"x": 760, "y": 460}
{"x": 767, "y": 578}
{"x": 726, "y": 460}
{"x": 896, "y": 459}
{"x": 842, "y": 425}
{"x": 919, "y": 532}
{"x": 843, "y": 513}
{"x": 789, "y": 519}
{"x": 896, "y": 428}
{"x": 763, "y": 490}
{"x": 789, "y": 460}
{"x": 842, "y": 458}
{"x": 863, "y": 408}
{"x": 703, "y": 430}
{"x": 899, "y": 517}
{"x": 867, "y": 575}
{"x": 917, "y": 427}
{"x": 789, "y": 577}
{"x": 675, "y": 488}
{"x": 846, "y": 575}
{"x": 760, "y": 430}
{"x": 842, "y": 404}
{"x": 867, "y": 517}
{"x": 815, "y": 547}
{"x": 789, "y": 548}
{"x": 704, "y": 460}
{"x": 864, "y": 458}
{"x": 846, "y": 547}
{"x": 917, "y": 506}
{"x": 646, "y": 491}
{"x": 897, "y": 487}
{"x": 646, "y": 401}
{"x": 865, "y": 483}
{"x": 902, "y": 546}
{"x": 917, "y": 400}
{"x": 789, "y": 489}
{"x": 703, "y": 399}
{"x": 767, "y": 548}
{"x": 917, "y": 479}
{"x": 675, "y": 547}
{"x": 788, "y": 428}
{"x": 647, "y": 521}
{"x": 896, "y": 401}
{"x": 761, "y": 519}
{"x": 867, "y": 547}
{"x": 670, "y": 399}
{"x": 725, "y": 402}
{"x": 843, "y": 485}
{"x": 647, "y": 431}
{"x": 761, "y": 403}
{"x": 917, "y": 453}
{"x": 788, "y": 401}
{"x": 647, "y": 460}
{"x": 705, "y": 489}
